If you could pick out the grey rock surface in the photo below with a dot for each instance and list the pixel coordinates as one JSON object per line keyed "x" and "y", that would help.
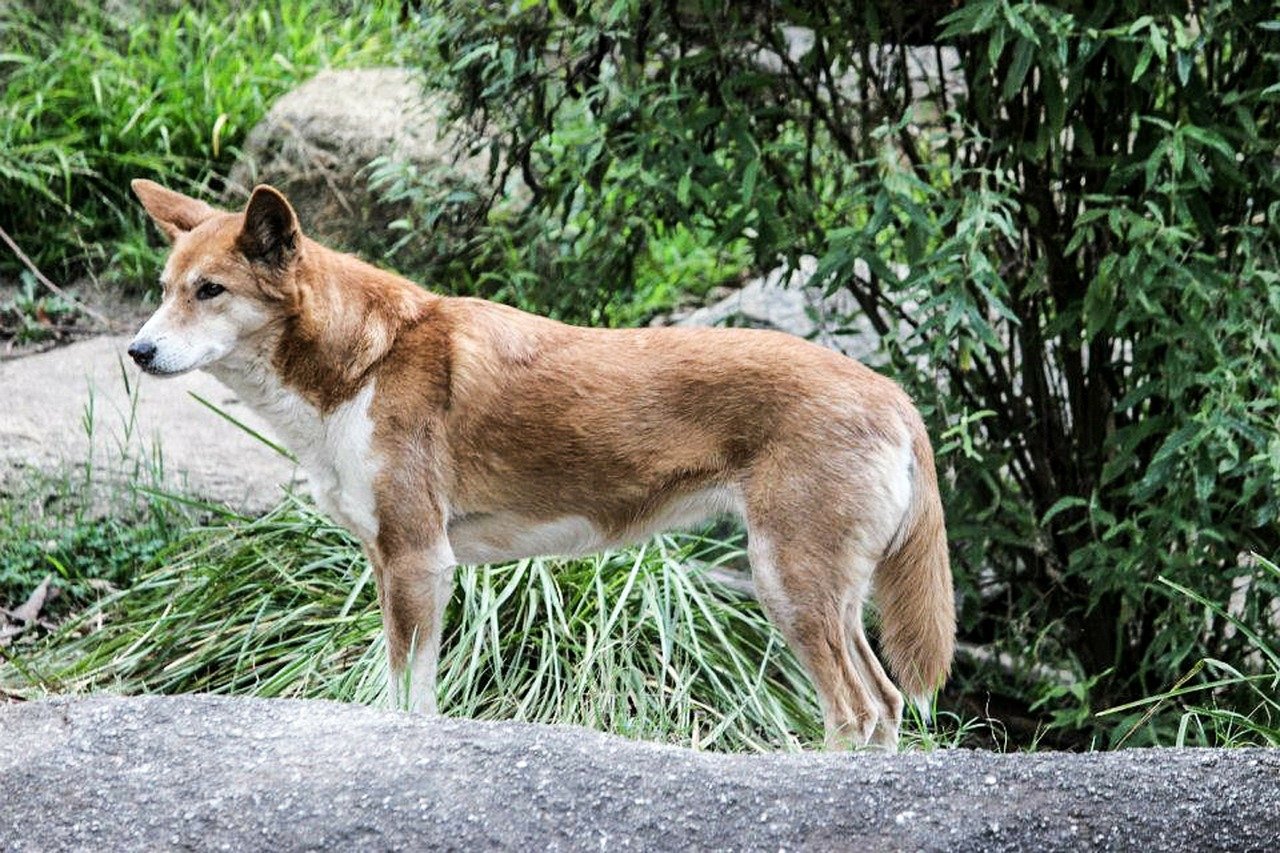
{"x": 87, "y": 402}
{"x": 783, "y": 300}
{"x": 198, "y": 772}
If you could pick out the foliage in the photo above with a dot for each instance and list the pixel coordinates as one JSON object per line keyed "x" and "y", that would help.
{"x": 82, "y": 548}
{"x": 1225, "y": 704}
{"x": 91, "y": 98}
{"x": 29, "y": 316}
{"x": 1069, "y": 215}
{"x": 284, "y": 605}
{"x": 460, "y": 242}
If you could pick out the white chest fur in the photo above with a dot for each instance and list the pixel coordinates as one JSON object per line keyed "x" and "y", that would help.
{"x": 335, "y": 450}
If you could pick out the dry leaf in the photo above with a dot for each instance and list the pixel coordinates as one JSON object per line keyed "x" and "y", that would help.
{"x": 29, "y": 610}
{"x": 27, "y": 614}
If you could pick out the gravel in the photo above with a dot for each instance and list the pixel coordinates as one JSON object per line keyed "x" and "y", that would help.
{"x": 202, "y": 772}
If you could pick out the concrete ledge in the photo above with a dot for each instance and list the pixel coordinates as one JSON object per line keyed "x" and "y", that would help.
{"x": 220, "y": 773}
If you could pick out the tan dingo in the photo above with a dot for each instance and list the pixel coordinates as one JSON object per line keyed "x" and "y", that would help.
{"x": 444, "y": 430}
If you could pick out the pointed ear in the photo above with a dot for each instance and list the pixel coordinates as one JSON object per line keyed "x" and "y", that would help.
{"x": 271, "y": 234}
{"x": 173, "y": 212}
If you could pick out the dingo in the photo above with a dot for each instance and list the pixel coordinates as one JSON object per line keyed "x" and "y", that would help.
{"x": 442, "y": 430}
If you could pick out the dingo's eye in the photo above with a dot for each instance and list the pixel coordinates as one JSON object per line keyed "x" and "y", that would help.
{"x": 209, "y": 289}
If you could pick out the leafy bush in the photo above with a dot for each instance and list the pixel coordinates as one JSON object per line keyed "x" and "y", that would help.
{"x": 460, "y": 243}
{"x": 1069, "y": 215}
{"x": 90, "y": 99}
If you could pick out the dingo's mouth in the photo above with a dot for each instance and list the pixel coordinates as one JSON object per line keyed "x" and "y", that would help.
{"x": 164, "y": 372}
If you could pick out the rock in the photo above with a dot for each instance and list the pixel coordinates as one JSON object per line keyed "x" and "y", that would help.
{"x": 926, "y": 64}
{"x": 782, "y": 300}
{"x": 238, "y": 773}
{"x": 87, "y": 404}
{"x": 316, "y": 145}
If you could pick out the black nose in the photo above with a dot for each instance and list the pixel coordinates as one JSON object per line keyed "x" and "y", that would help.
{"x": 142, "y": 352}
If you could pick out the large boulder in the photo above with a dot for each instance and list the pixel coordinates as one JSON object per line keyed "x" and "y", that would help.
{"x": 324, "y": 143}
{"x": 234, "y": 774}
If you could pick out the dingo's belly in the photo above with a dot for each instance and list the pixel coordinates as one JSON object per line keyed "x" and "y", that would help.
{"x": 490, "y": 537}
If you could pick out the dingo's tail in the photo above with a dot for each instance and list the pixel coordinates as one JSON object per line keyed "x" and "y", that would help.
{"x": 913, "y": 587}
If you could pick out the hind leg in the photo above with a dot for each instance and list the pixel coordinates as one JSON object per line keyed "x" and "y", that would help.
{"x": 872, "y": 672}
{"x": 806, "y": 595}
{"x": 819, "y": 518}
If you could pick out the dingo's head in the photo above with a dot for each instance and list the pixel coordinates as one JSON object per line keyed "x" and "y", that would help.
{"x": 228, "y": 276}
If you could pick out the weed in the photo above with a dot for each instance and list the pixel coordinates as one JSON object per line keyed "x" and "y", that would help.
{"x": 32, "y": 317}
{"x": 1235, "y": 704}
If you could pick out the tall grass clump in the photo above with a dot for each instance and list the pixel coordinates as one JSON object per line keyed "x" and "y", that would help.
{"x": 87, "y": 539}
{"x": 644, "y": 642}
{"x": 1221, "y": 702}
{"x": 90, "y": 525}
{"x": 91, "y": 97}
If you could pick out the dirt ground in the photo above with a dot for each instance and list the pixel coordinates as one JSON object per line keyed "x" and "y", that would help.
{"x": 87, "y": 401}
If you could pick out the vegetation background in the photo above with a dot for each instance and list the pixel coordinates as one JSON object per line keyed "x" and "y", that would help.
{"x": 1067, "y": 217}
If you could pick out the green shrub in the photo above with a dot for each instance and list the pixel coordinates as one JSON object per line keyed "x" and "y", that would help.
{"x": 1220, "y": 702}
{"x": 594, "y": 266}
{"x": 1072, "y": 245}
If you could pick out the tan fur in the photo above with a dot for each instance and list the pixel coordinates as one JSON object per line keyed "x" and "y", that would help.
{"x": 496, "y": 432}
{"x": 913, "y": 586}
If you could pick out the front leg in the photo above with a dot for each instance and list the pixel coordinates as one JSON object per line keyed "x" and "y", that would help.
{"x": 415, "y": 578}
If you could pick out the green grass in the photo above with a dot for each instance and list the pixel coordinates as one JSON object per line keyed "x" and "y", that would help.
{"x": 632, "y": 642}
{"x": 163, "y": 594}
{"x": 88, "y": 101}
{"x": 91, "y": 527}
{"x": 1221, "y": 703}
